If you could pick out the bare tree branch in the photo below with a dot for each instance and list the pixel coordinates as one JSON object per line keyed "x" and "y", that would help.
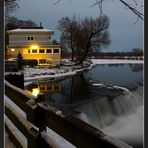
{"x": 127, "y": 4}
{"x": 56, "y": 2}
{"x": 135, "y": 11}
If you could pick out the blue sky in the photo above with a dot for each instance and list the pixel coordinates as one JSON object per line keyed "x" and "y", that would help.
{"x": 125, "y": 34}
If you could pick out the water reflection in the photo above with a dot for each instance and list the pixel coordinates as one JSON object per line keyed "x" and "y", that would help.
{"x": 133, "y": 67}
{"x": 101, "y": 97}
{"x": 37, "y": 88}
{"x": 136, "y": 67}
{"x": 117, "y": 74}
{"x": 115, "y": 65}
{"x": 74, "y": 90}
{"x": 78, "y": 95}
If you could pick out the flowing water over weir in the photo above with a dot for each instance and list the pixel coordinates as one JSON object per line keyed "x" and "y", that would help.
{"x": 121, "y": 117}
{"x": 109, "y": 97}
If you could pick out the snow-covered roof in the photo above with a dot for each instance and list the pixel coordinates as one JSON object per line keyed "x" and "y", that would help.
{"x": 20, "y": 30}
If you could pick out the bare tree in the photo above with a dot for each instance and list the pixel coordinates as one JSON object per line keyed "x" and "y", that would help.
{"x": 10, "y": 7}
{"x": 68, "y": 27}
{"x": 27, "y": 23}
{"x": 85, "y": 35}
{"x": 93, "y": 35}
{"x": 14, "y": 22}
{"x": 131, "y": 5}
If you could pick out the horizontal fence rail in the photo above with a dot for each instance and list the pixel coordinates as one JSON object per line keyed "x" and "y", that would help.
{"x": 39, "y": 116}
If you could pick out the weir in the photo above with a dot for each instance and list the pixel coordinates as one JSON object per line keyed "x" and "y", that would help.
{"x": 38, "y": 116}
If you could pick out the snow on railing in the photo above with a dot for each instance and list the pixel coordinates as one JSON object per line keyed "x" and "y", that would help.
{"x": 35, "y": 120}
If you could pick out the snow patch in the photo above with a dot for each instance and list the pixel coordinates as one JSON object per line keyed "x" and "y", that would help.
{"x": 116, "y": 61}
{"x": 20, "y": 137}
{"x": 55, "y": 140}
{"x": 123, "y": 88}
{"x": 58, "y": 112}
{"x": 98, "y": 84}
{"x": 13, "y": 105}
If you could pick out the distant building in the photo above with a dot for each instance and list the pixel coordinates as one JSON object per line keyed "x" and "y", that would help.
{"x": 34, "y": 43}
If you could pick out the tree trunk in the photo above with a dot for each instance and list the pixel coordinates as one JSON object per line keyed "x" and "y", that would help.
{"x": 72, "y": 55}
{"x": 83, "y": 57}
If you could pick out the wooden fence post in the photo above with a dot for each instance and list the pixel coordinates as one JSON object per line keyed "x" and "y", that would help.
{"x": 35, "y": 115}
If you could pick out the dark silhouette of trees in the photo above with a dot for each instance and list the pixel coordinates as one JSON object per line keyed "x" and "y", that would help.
{"x": 137, "y": 51}
{"x": 84, "y": 35}
{"x": 14, "y": 23}
{"x": 10, "y": 7}
{"x": 20, "y": 61}
{"x": 68, "y": 27}
{"x": 136, "y": 67}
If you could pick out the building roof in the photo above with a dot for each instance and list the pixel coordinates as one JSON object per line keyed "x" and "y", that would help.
{"x": 30, "y": 29}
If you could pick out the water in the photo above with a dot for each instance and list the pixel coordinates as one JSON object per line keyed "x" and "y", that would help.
{"x": 109, "y": 97}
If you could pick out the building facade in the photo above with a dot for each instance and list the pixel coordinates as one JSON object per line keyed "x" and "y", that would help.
{"x": 34, "y": 43}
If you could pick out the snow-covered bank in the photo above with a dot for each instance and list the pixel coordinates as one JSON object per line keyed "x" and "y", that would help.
{"x": 116, "y": 61}
{"x": 31, "y": 74}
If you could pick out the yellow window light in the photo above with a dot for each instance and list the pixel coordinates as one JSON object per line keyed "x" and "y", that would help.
{"x": 12, "y": 49}
{"x": 34, "y": 47}
{"x": 35, "y": 91}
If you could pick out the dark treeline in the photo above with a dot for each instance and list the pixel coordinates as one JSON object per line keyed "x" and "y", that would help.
{"x": 111, "y": 55}
{"x": 119, "y": 54}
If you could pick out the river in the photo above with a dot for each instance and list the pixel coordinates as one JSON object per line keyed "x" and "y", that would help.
{"x": 109, "y": 97}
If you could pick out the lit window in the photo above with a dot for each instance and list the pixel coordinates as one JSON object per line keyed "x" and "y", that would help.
{"x": 41, "y": 51}
{"x": 34, "y": 50}
{"x": 12, "y": 49}
{"x": 48, "y": 50}
{"x": 56, "y": 50}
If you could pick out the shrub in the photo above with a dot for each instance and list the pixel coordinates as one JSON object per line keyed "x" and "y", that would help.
{"x": 31, "y": 62}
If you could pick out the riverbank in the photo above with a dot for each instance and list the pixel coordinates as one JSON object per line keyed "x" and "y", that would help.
{"x": 31, "y": 74}
{"x": 116, "y": 61}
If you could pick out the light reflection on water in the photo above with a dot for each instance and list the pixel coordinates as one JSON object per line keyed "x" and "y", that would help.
{"x": 105, "y": 107}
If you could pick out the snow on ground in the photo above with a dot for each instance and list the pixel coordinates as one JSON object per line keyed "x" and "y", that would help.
{"x": 8, "y": 142}
{"x": 52, "y": 73}
{"x": 116, "y": 61}
{"x": 31, "y": 74}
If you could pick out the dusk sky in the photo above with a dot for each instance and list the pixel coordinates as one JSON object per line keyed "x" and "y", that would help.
{"x": 125, "y": 34}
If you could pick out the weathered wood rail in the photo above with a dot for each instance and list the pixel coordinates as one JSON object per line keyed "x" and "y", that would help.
{"x": 40, "y": 116}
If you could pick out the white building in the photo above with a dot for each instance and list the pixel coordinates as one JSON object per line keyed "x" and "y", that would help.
{"x": 34, "y": 43}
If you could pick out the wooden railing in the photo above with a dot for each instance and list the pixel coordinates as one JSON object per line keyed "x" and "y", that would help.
{"x": 39, "y": 116}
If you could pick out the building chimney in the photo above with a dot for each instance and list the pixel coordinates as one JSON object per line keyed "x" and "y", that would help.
{"x": 40, "y": 24}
